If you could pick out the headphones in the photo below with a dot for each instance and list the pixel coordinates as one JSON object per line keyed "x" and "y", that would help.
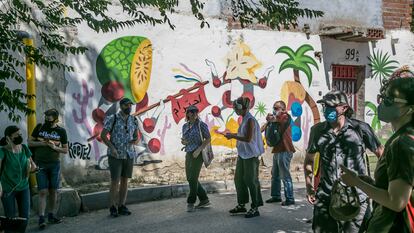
{"x": 237, "y": 105}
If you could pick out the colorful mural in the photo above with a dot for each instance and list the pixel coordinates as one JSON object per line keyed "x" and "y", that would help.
{"x": 292, "y": 92}
{"x": 381, "y": 65}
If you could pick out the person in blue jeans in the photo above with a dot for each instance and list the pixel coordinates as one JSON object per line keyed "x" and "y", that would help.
{"x": 49, "y": 140}
{"x": 282, "y": 155}
{"x": 15, "y": 163}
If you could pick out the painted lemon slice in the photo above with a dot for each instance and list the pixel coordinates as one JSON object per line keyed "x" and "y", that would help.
{"x": 141, "y": 70}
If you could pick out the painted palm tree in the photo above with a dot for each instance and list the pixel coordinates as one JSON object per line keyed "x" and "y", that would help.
{"x": 375, "y": 123}
{"x": 299, "y": 61}
{"x": 381, "y": 65}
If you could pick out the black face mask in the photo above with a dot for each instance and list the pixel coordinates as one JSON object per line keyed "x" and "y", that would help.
{"x": 17, "y": 140}
{"x": 127, "y": 111}
{"x": 49, "y": 123}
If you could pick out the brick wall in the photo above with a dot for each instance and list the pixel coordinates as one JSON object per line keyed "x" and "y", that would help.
{"x": 396, "y": 14}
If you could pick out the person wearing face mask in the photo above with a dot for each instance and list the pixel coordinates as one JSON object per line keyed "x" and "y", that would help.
{"x": 123, "y": 131}
{"x": 49, "y": 140}
{"x": 339, "y": 140}
{"x": 15, "y": 163}
{"x": 192, "y": 130}
{"x": 249, "y": 147}
{"x": 394, "y": 174}
{"x": 282, "y": 155}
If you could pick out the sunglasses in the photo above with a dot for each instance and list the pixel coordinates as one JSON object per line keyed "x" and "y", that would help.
{"x": 390, "y": 100}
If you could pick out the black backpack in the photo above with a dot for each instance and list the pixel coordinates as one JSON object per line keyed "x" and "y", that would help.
{"x": 274, "y": 132}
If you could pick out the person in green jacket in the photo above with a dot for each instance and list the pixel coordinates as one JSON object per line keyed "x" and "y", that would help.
{"x": 15, "y": 163}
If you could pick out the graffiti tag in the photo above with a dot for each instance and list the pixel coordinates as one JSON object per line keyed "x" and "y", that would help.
{"x": 79, "y": 150}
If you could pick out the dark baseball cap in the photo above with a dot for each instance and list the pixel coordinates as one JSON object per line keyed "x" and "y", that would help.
{"x": 52, "y": 112}
{"x": 125, "y": 101}
{"x": 334, "y": 98}
{"x": 191, "y": 108}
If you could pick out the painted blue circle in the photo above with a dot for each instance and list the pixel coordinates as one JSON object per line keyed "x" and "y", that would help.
{"x": 296, "y": 109}
{"x": 296, "y": 133}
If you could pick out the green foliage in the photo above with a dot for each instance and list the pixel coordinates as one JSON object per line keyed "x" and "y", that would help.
{"x": 260, "y": 109}
{"x": 381, "y": 65}
{"x": 298, "y": 60}
{"x": 273, "y": 13}
{"x": 49, "y": 24}
{"x": 375, "y": 123}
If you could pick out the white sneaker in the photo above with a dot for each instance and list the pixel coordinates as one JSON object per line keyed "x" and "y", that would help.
{"x": 190, "y": 207}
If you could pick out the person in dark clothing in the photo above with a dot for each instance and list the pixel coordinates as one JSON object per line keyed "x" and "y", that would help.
{"x": 49, "y": 140}
{"x": 339, "y": 140}
{"x": 282, "y": 155}
{"x": 394, "y": 174}
{"x": 195, "y": 137}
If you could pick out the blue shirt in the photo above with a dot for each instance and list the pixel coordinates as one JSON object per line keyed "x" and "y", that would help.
{"x": 191, "y": 133}
{"x": 123, "y": 132}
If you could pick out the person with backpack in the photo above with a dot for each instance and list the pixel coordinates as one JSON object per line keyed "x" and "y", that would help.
{"x": 16, "y": 164}
{"x": 123, "y": 131}
{"x": 195, "y": 138}
{"x": 392, "y": 190}
{"x": 340, "y": 140}
{"x": 279, "y": 136}
{"x": 249, "y": 148}
{"x": 48, "y": 140}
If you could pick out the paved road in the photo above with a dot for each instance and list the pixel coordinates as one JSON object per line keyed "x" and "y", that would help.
{"x": 170, "y": 216}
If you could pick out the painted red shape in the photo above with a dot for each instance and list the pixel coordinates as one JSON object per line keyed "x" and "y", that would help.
{"x": 226, "y": 98}
{"x": 251, "y": 98}
{"x": 262, "y": 83}
{"x": 216, "y": 82}
{"x": 149, "y": 125}
{"x": 154, "y": 145}
{"x": 112, "y": 91}
{"x": 239, "y": 120}
{"x": 142, "y": 104}
{"x": 179, "y": 105}
{"x": 215, "y": 111}
{"x": 98, "y": 115}
{"x": 97, "y": 129}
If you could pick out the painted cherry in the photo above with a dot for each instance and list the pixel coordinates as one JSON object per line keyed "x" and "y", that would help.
{"x": 154, "y": 145}
{"x": 149, "y": 125}
{"x": 112, "y": 91}
{"x": 97, "y": 129}
{"x": 216, "y": 82}
{"x": 215, "y": 111}
{"x": 262, "y": 83}
{"x": 98, "y": 115}
{"x": 226, "y": 98}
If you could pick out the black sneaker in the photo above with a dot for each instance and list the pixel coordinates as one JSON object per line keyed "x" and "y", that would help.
{"x": 273, "y": 200}
{"x": 203, "y": 203}
{"x": 123, "y": 210}
{"x": 51, "y": 218}
{"x": 253, "y": 212}
{"x": 238, "y": 209}
{"x": 42, "y": 222}
{"x": 288, "y": 203}
{"x": 113, "y": 212}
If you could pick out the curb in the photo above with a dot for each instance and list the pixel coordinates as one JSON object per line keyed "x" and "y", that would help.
{"x": 99, "y": 200}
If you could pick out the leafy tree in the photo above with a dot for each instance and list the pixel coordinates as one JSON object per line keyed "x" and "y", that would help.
{"x": 48, "y": 20}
